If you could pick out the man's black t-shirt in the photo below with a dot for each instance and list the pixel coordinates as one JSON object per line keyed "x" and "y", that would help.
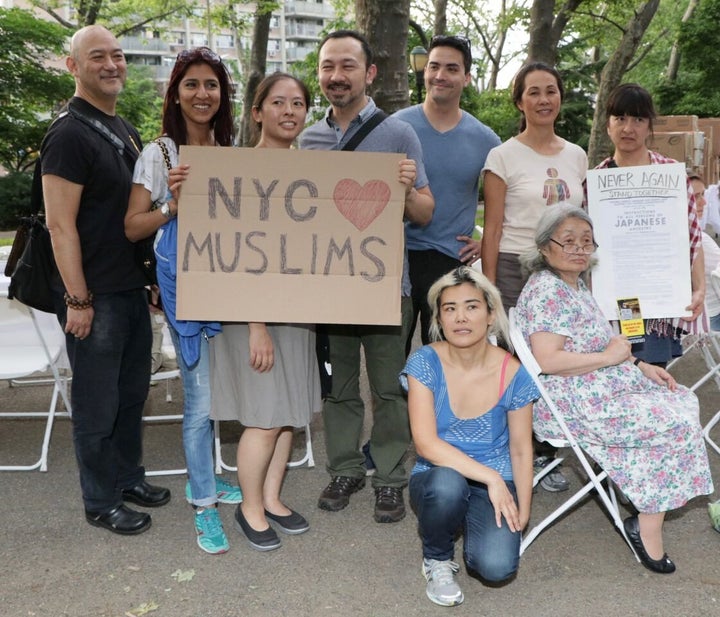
{"x": 77, "y": 153}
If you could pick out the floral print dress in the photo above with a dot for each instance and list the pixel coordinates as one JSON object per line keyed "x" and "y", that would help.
{"x": 647, "y": 438}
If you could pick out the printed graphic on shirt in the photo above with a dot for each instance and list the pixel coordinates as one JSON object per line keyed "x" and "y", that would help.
{"x": 555, "y": 189}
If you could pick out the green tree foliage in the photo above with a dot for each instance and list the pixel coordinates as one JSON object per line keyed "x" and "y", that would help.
{"x": 28, "y": 88}
{"x": 696, "y": 89}
{"x": 14, "y": 198}
{"x": 494, "y": 108}
{"x": 121, "y": 16}
{"x": 140, "y": 102}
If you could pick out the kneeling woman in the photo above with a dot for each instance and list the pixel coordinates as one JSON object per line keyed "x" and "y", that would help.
{"x": 470, "y": 406}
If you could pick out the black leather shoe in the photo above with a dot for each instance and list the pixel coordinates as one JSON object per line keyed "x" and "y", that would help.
{"x": 146, "y": 495}
{"x": 120, "y": 519}
{"x": 664, "y": 565}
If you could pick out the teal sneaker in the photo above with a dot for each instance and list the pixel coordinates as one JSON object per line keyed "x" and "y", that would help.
{"x": 210, "y": 533}
{"x": 226, "y": 492}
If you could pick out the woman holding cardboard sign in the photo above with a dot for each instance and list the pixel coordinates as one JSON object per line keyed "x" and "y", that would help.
{"x": 266, "y": 375}
{"x": 197, "y": 111}
{"x": 630, "y": 113}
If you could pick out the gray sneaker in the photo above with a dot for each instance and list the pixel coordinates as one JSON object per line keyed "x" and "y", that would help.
{"x": 442, "y": 588}
{"x": 555, "y": 481}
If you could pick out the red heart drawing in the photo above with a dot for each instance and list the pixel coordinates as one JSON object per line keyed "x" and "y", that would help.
{"x": 361, "y": 205}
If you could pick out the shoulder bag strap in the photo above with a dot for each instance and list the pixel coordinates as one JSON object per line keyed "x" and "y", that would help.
{"x": 36, "y": 191}
{"x": 123, "y": 148}
{"x": 166, "y": 155}
{"x": 99, "y": 127}
{"x": 364, "y": 130}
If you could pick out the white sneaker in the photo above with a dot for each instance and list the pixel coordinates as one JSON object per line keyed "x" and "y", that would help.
{"x": 555, "y": 481}
{"x": 442, "y": 588}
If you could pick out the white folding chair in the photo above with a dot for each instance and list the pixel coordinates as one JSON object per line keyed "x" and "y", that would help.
{"x": 32, "y": 342}
{"x": 594, "y": 479}
{"x": 308, "y": 457}
{"x": 165, "y": 377}
{"x": 708, "y": 344}
{"x": 156, "y": 378}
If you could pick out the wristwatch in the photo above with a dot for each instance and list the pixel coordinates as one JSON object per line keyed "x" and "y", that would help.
{"x": 165, "y": 211}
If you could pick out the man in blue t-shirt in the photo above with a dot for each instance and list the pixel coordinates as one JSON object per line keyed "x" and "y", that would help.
{"x": 455, "y": 146}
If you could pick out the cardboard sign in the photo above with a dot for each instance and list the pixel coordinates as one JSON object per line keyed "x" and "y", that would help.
{"x": 640, "y": 215}
{"x": 293, "y": 236}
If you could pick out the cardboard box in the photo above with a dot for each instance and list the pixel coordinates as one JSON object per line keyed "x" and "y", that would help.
{"x": 711, "y": 128}
{"x": 674, "y": 124}
{"x": 685, "y": 148}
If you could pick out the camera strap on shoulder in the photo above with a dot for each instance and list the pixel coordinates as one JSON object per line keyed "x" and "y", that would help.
{"x": 364, "y": 130}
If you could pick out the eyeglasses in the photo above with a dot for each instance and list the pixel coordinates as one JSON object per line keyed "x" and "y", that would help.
{"x": 573, "y": 249}
{"x": 444, "y": 39}
{"x": 199, "y": 53}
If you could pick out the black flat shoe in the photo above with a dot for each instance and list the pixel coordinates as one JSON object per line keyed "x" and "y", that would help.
{"x": 146, "y": 495}
{"x": 292, "y": 524}
{"x": 120, "y": 519}
{"x": 664, "y": 565}
{"x": 266, "y": 540}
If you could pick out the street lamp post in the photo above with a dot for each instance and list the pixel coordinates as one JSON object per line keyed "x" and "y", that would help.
{"x": 418, "y": 62}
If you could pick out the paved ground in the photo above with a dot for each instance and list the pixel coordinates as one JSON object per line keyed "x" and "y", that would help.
{"x": 53, "y": 564}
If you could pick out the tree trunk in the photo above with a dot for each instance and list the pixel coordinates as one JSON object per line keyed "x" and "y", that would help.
{"x": 385, "y": 24}
{"x": 258, "y": 55}
{"x": 600, "y": 146}
{"x": 546, "y": 29}
{"x": 674, "y": 62}
{"x": 440, "y": 25}
{"x": 88, "y": 12}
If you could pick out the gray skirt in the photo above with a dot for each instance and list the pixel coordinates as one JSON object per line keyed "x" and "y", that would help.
{"x": 287, "y": 395}
{"x": 509, "y": 279}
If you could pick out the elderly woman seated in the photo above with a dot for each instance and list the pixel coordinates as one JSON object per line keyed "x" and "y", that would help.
{"x": 630, "y": 416}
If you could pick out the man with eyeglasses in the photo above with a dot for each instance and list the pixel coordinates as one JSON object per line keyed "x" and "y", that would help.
{"x": 455, "y": 145}
{"x": 87, "y": 160}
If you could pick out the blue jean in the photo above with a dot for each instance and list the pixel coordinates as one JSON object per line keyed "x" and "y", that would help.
{"x": 197, "y": 426}
{"x": 715, "y": 323}
{"x": 443, "y": 500}
{"x": 111, "y": 376}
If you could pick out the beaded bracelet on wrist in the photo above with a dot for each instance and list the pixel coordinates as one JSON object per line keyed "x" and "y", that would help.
{"x": 76, "y": 303}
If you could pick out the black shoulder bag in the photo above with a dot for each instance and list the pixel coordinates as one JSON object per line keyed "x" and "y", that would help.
{"x": 31, "y": 265}
{"x": 322, "y": 340}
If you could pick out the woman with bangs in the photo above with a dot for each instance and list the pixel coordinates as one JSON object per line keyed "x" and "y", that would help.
{"x": 197, "y": 111}
{"x": 630, "y": 114}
